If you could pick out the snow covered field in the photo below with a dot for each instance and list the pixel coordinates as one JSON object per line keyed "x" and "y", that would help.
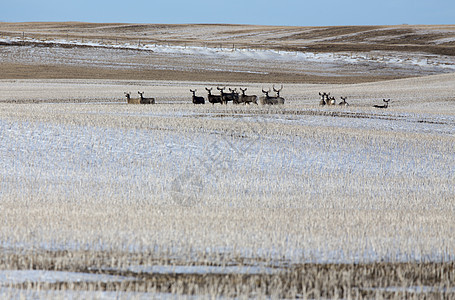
{"x": 228, "y": 184}
{"x": 100, "y": 199}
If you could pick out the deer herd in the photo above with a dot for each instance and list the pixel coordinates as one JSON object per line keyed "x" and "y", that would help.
{"x": 241, "y": 98}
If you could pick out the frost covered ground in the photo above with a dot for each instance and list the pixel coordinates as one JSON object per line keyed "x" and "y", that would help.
{"x": 245, "y": 189}
{"x": 101, "y": 199}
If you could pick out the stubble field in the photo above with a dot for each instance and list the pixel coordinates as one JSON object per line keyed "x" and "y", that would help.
{"x": 102, "y": 199}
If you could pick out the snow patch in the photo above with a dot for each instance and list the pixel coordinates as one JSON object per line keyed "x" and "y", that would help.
{"x": 245, "y": 54}
{"x": 24, "y": 276}
{"x": 201, "y": 270}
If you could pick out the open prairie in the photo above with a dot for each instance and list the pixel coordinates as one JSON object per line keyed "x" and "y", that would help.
{"x": 102, "y": 199}
{"x": 225, "y": 53}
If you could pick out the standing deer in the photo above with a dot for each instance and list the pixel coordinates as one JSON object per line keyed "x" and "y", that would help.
{"x": 384, "y": 105}
{"x": 213, "y": 98}
{"x": 235, "y": 95}
{"x": 225, "y": 97}
{"x": 196, "y": 99}
{"x": 130, "y": 100}
{"x": 146, "y": 100}
{"x": 266, "y": 99}
{"x": 247, "y": 98}
{"x": 343, "y": 101}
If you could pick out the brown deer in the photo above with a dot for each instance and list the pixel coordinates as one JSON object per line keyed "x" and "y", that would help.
{"x": 384, "y": 105}
{"x": 225, "y": 97}
{"x": 266, "y": 99}
{"x": 331, "y": 101}
{"x": 343, "y": 101}
{"x": 324, "y": 98}
{"x": 130, "y": 100}
{"x": 213, "y": 98}
{"x": 247, "y": 99}
{"x": 196, "y": 99}
{"x": 235, "y": 95}
{"x": 146, "y": 100}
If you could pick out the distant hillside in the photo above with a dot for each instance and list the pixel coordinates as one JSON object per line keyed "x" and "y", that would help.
{"x": 434, "y": 39}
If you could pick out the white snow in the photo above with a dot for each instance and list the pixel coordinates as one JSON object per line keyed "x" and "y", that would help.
{"x": 201, "y": 270}
{"x": 23, "y": 276}
{"x": 391, "y": 59}
{"x": 21, "y": 294}
{"x": 444, "y": 40}
{"x": 421, "y": 289}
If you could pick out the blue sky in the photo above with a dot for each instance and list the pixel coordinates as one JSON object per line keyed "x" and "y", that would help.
{"x": 264, "y": 12}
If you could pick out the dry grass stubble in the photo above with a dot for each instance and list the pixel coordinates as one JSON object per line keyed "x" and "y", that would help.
{"x": 357, "y": 208}
{"x": 301, "y": 193}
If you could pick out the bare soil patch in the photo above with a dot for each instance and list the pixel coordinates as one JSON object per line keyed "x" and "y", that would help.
{"x": 43, "y": 71}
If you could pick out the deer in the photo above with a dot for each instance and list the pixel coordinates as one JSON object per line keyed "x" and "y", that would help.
{"x": 263, "y": 99}
{"x": 279, "y": 99}
{"x": 247, "y": 98}
{"x": 225, "y": 97}
{"x": 196, "y": 99}
{"x": 146, "y": 100}
{"x": 384, "y": 105}
{"x": 343, "y": 101}
{"x": 266, "y": 99}
{"x": 324, "y": 98}
{"x": 213, "y": 98}
{"x": 130, "y": 100}
{"x": 235, "y": 95}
